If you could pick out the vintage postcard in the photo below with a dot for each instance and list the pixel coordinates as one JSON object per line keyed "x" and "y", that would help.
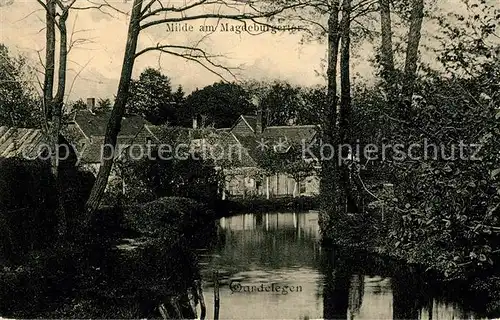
{"x": 249, "y": 159}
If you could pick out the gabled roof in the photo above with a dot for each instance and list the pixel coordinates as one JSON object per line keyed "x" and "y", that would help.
{"x": 235, "y": 152}
{"x": 277, "y": 136}
{"x": 295, "y": 135}
{"x": 250, "y": 120}
{"x": 20, "y": 142}
{"x": 94, "y": 124}
{"x": 91, "y": 152}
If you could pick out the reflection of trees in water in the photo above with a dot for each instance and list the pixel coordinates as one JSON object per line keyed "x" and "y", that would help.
{"x": 275, "y": 248}
{"x": 253, "y": 241}
{"x": 357, "y": 289}
{"x": 336, "y": 286}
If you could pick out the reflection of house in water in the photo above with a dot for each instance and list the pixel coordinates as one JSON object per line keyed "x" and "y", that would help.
{"x": 304, "y": 223}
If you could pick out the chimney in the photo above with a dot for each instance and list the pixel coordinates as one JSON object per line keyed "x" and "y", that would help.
{"x": 258, "y": 123}
{"x": 90, "y": 104}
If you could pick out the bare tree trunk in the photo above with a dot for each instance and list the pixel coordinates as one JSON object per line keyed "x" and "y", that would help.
{"x": 113, "y": 127}
{"x": 53, "y": 105}
{"x": 55, "y": 125}
{"x": 329, "y": 170}
{"x": 345, "y": 105}
{"x": 417, "y": 16}
{"x": 50, "y": 51}
{"x": 345, "y": 76}
{"x": 386, "y": 53}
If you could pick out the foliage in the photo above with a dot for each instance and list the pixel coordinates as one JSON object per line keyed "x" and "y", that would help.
{"x": 83, "y": 278}
{"x": 445, "y": 207}
{"x": 183, "y": 174}
{"x": 27, "y": 204}
{"x": 104, "y": 104}
{"x": 151, "y": 97}
{"x": 444, "y": 213}
{"x": 259, "y": 205}
{"x": 19, "y": 105}
{"x": 221, "y": 103}
{"x": 290, "y": 162}
{"x": 77, "y": 105}
{"x": 285, "y": 104}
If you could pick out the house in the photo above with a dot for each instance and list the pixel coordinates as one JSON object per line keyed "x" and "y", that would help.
{"x": 249, "y": 137}
{"x": 85, "y": 134}
{"x": 25, "y": 143}
{"x": 32, "y": 144}
{"x": 87, "y": 129}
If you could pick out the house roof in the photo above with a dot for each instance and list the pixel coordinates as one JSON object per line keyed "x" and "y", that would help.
{"x": 295, "y": 135}
{"x": 169, "y": 134}
{"x": 92, "y": 151}
{"x": 20, "y": 142}
{"x": 250, "y": 120}
{"x": 249, "y": 147}
{"x": 73, "y": 133}
{"x": 94, "y": 124}
{"x": 235, "y": 152}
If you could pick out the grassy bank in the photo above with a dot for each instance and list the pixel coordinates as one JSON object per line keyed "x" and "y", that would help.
{"x": 133, "y": 259}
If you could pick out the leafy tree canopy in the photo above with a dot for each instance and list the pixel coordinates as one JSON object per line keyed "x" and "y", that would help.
{"x": 286, "y": 104}
{"x": 19, "y": 105}
{"x": 151, "y": 96}
{"x": 221, "y": 103}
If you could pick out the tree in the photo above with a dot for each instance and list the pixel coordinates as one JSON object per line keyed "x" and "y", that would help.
{"x": 179, "y": 96}
{"x": 386, "y": 53}
{"x": 151, "y": 97}
{"x": 147, "y": 14}
{"x": 417, "y": 16}
{"x": 281, "y": 101}
{"x": 104, "y": 104}
{"x": 19, "y": 106}
{"x": 299, "y": 170}
{"x": 313, "y": 108}
{"x": 77, "y": 105}
{"x": 221, "y": 103}
{"x": 56, "y": 15}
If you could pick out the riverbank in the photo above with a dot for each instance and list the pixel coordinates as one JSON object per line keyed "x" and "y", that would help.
{"x": 367, "y": 234}
{"x": 226, "y": 208}
{"x": 133, "y": 259}
{"x": 335, "y": 283}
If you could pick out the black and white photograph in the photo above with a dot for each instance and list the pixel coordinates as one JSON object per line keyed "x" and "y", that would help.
{"x": 250, "y": 159}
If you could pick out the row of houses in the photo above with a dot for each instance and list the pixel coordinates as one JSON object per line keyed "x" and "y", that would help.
{"x": 84, "y": 135}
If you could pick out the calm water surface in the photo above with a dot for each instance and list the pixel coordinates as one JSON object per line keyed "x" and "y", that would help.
{"x": 255, "y": 250}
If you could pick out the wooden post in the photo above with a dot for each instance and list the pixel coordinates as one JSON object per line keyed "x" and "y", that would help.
{"x": 277, "y": 185}
{"x": 199, "y": 293}
{"x": 164, "y": 312}
{"x": 174, "y": 302}
{"x": 216, "y": 295}
{"x": 191, "y": 293}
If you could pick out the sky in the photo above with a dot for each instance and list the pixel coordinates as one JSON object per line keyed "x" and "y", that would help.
{"x": 98, "y": 58}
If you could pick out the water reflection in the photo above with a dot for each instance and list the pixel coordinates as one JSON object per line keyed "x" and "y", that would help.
{"x": 282, "y": 248}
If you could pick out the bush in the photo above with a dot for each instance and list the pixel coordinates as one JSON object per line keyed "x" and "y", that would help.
{"x": 166, "y": 216}
{"x": 27, "y": 202}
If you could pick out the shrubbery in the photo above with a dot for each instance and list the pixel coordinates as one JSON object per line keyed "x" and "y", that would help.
{"x": 28, "y": 200}
{"x": 444, "y": 212}
{"x": 101, "y": 275}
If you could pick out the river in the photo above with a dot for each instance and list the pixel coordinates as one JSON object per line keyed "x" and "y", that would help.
{"x": 271, "y": 266}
